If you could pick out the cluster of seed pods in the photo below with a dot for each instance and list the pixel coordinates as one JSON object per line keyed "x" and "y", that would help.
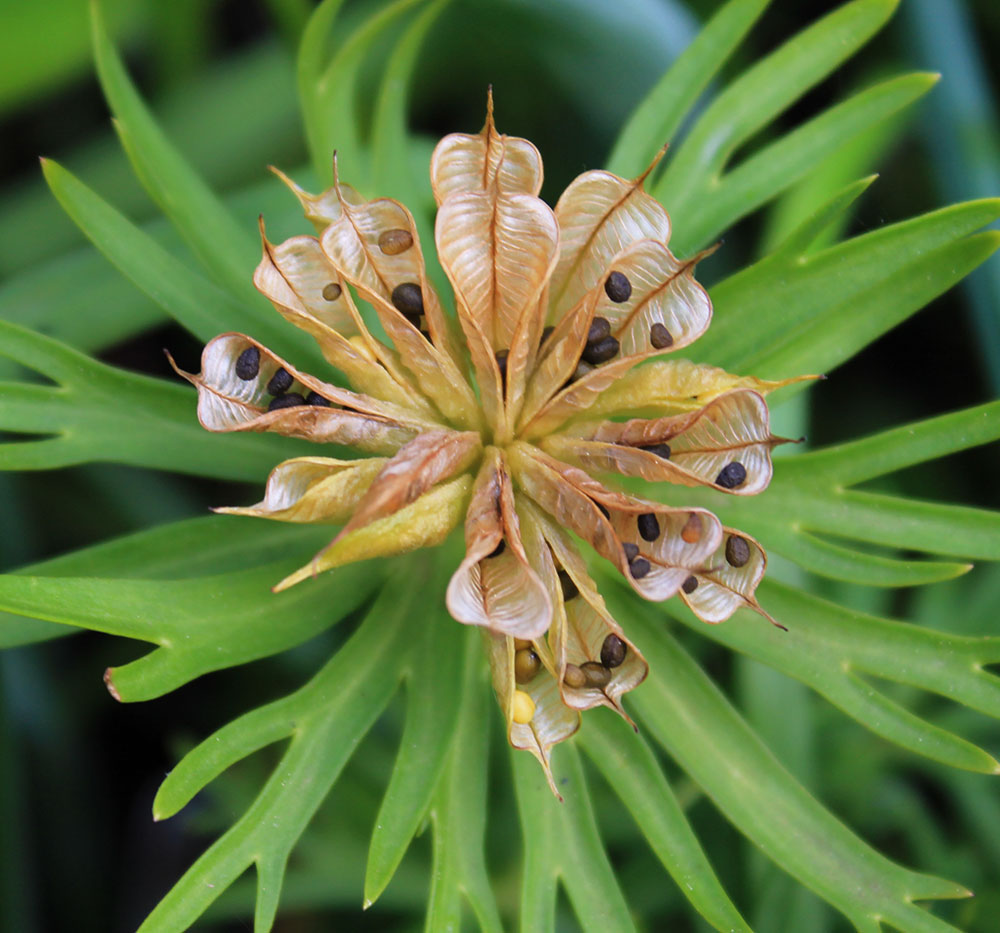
{"x": 510, "y": 413}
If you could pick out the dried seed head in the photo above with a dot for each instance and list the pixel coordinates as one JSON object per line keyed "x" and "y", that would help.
{"x": 408, "y": 299}
{"x": 659, "y": 336}
{"x": 574, "y": 677}
{"x": 613, "y": 651}
{"x": 600, "y": 328}
{"x": 289, "y": 400}
{"x": 332, "y": 291}
{"x": 617, "y": 287}
{"x": 596, "y": 674}
{"x": 601, "y": 350}
{"x": 394, "y": 242}
{"x": 314, "y": 398}
{"x": 526, "y": 665}
{"x": 248, "y": 364}
{"x": 690, "y": 584}
{"x": 524, "y": 707}
{"x": 731, "y": 475}
{"x": 661, "y": 450}
{"x": 280, "y": 382}
{"x": 569, "y": 588}
{"x": 639, "y": 567}
{"x": 691, "y": 532}
{"x": 737, "y": 551}
{"x": 649, "y": 527}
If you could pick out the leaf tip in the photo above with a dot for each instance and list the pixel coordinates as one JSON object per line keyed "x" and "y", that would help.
{"x": 110, "y": 684}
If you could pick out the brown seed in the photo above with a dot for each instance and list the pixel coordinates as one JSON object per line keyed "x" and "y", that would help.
{"x": 737, "y": 551}
{"x": 661, "y": 450}
{"x": 248, "y": 364}
{"x": 574, "y": 677}
{"x": 659, "y": 336}
{"x": 649, "y": 527}
{"x": 526, "y": 664}
{"x": 639, "y": 568}
{"x": 690, "y": 584}
{"x": 569, "y": 588}
{"x": 613, "y": 651}
{"x": 601, "y": 350}
{"x": 408, "y": 299}
{"x": 394, "y": 242}
{"x": 597, "y": 674}
{"x": 631, "y": 550}
{"x": 332, "y": 291}
{"x": 691, "y": 532}
{"x": 617, "y": 287}
{"x": 731, "y": 475}
{"x": 600, "y": 328}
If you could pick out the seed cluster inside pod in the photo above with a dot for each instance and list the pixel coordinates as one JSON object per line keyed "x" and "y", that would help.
{"x": 509, "y": 413}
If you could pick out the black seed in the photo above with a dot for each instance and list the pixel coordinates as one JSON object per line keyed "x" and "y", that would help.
{"x": 409, "y": 299}
{"x": 290, "y": 400}
{"x": 569, "y": 588}
{"x": 731, "y": 475}
{"x": 661, "y": 450}
{"x": 690, "y": 584}
{"x": 280, "y": 382}
{"x": 596, "y": 673}
{"x": 631, "y": 550}
{"x": 526, "y": 664}
{"x": 332, "y": 291}
{"x": 499, "y": 549}
{"x": 613, "y": 651}
{"x": 600, "y": 352}
{"x": 649, "y": 527}
{"x": 659, "y": 336}
{"x": 394, "y": 242}
{"x": 638, "y": 568}
{"x": 314, "y": 398}
{"x": 600, "y": 327}
{"x": 248, "y": 364}
{"x": 501, "y": 356}
{"x": 581, "y": 370}
{"x": 617, "y": 287}
{"x": 604, "y": 511}
{"x": 737, "y": 551}
{"x": 546, "y": 334}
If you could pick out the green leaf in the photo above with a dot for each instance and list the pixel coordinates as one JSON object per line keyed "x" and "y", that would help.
{"x": 433, "y": 694}
{"x": 657, "y": 118}
{"x": 690, "y": 718}
{"x": 199, "y": 624}
{"x": 458, "y": 810}
{"x": 633, "y": 773}
{"x": 561, "y": 839}
{"x": 192, "y": 301}
{"x": 326, "y": 720}
{"x": 199, "y": 216}
{"x": 97, "y": 413}
{"x": 777, "y": 166}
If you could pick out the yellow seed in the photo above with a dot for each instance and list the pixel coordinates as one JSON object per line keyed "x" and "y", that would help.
{"x": 360, "y": 344}
{"x": 524, "y": 707}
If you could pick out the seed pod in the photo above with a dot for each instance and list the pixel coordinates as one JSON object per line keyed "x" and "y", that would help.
{"x": 332, "y": 291}
{"x": 731, "y": 475}
{"x": 639, "y": 568}
{"x": 394, "y": 242}
{"x": 524, "y": 707}
{"x": 613, "y": 651}
{"x": 737, "y": 551}
{"x": 574, "y": 677}
{"x": 691, "y": 532}
{"x": 660, "y": 337}
{"x": 290, "y": 400}
{"x": 526, "y": 665}
{"x": 600, "y": 327}
{"x": 649, "y": 527}
{"x": 408, "y": 299}
{"x": 569, "y": 588}
{"x": 280, "y": 382}
{"x": 596, "y": 674}
{"x": 690, "y": 584}
{"x": 248, "y": 364}
{"x": 631, "y": 550}
{"x": 314, "y": 398}
{"x": 617, "y": 287}
{"x": 661, "y": 450}
{"x": 601, "y": 351}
